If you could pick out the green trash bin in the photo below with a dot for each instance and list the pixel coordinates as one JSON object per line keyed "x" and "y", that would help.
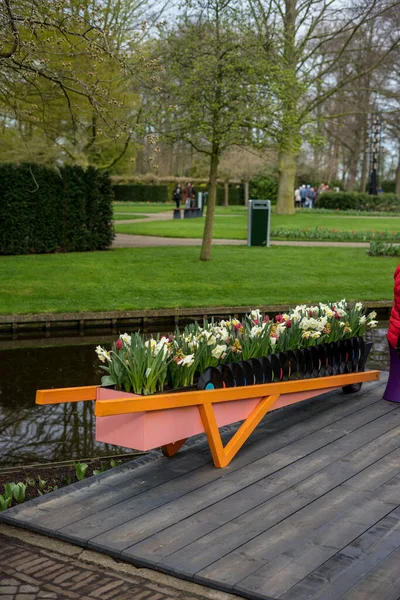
{"x": 259, "y": 223}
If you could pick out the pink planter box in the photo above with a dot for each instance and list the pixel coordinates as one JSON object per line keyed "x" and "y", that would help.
{"x": 148, "y": 430}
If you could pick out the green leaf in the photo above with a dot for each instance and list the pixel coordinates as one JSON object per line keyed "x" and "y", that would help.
{"x": 107, "y": 380}
{"x": 80, "y": 470}
{"x": 8, "y": 490}
{"x": 19, "y": 492}
{"x": 4, "y": 503}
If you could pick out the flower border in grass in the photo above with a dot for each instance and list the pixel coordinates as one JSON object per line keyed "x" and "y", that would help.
{"x": 325, "y": 234}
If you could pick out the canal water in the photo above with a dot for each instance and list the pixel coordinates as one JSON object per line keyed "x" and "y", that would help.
{"x": 31, "y": 434}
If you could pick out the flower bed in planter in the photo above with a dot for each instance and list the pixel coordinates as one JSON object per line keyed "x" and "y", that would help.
{"x": 222, "y": 373}
{"x": 151, "y": 429}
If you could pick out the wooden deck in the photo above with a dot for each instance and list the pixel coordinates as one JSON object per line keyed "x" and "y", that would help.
{"x": 309, "y": 509}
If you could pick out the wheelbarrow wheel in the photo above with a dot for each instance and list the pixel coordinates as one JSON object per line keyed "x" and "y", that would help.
{"x": 352, "y": 389}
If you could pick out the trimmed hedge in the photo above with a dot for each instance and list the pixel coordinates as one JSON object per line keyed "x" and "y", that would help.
{"x": 138, "y": 192}
{"x": 45, "y": 210}
{"x": 359, "y": 201}
{"x": 236, "y": 195}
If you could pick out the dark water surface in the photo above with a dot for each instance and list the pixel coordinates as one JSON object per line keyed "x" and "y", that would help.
{"x": 31, "y": 434}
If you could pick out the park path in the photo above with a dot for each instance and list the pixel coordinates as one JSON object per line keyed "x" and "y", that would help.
{"x": 124, "y": 240}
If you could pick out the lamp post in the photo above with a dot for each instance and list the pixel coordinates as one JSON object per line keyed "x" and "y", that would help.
{"x": 374, "y": 153}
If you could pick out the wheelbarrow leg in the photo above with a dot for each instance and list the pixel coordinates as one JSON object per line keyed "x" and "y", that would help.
{"x": 170, "y": 449}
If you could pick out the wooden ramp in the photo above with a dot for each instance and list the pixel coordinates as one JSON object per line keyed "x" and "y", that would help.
{"x": 308, "y": 510}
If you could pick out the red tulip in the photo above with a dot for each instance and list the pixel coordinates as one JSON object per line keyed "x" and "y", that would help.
{"x": 119, "y": 345}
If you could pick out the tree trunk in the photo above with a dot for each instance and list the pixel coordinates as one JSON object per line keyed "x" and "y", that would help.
{"x": 212, "y": 197}
{"x": 287, "y": 174}
{"x": 397, "y": 188}
{"x": 364, "y": 171}
{"x": 353, "y": 167}
{"x": 226, "y": 197}
{"x": 246, "y": 192}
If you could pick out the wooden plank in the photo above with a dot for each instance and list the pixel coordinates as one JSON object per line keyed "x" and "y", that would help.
{"x": 382, "y": 582}
{"x": 346, "y": 569}
{"x": 120, "y": 535}
{"x": 121, "y": 406}
{"x": 296, "y": 546}
{"x": 272, "y": 500}
{"x": 291, "y": 488}
{"x": 61, "y": 395}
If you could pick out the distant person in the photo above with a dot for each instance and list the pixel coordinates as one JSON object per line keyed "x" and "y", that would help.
{"x": 189, "y": 194}
{"x": 310, "y": 197}
{"x": 177, "y": 195}
{"x": 193, "y": 198}
{"x": 303, "y": 192}
{"x": 380, "y": 190}
{"x": 297, "y": 198}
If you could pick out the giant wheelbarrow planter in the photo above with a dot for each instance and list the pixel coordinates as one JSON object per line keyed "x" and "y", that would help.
{"x": 167, "y": 420}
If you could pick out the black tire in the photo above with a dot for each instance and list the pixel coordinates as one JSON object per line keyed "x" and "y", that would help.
{"x": 352, "y": 389}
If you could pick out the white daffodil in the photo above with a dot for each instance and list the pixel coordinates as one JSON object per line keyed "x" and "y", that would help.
{"x": 273, "y": 341}
{"x": 218, "y": 351}
{"x": 148, "y": 371}
{"x": 256, "y": 331}
{"x": 103, "y": 354}
{"x": 306, "y": 334}
{"x": 186, "y": 361}
{"x": 127, "y": 339}
{"x": 359, "y": 306}
{"x": 362, "y": 320}
{"x": 372, "y": 315}
{"x": 100, "y": 353}
{"x": 341, "y": 312}
{"x": 315, "y": 335}
{"x": 372, "y": 324}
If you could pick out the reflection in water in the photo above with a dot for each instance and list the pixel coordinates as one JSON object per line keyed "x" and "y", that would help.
{"x": 31, "y": 434}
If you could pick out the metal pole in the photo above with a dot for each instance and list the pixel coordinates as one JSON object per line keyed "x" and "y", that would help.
{"x": 375, "y": 147}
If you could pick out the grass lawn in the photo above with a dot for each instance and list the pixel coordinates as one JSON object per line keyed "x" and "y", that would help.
{"x": 235, "y": 226}
{"x": 143, "y": 278}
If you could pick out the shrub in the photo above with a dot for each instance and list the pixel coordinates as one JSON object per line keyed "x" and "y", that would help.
{"x": 138, "y": 192}
{"x": 389, "y": 186}
{"x": 45, "y": 210}
{"x": 236, "y": 195}
{"x": 264, "y": 187}
{"x": 382, "y": 249}
{"x": 359, "y": 201}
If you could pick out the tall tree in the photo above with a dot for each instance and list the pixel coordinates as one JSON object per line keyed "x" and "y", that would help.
{"x": 211, "y": 86}
{"x": 311, "y": 38}
{"x": 66, "y": 69}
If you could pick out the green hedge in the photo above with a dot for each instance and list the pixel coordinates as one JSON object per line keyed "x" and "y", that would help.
{"x": 236, "y": 195}
{"x": 45, "y": 210}
{"x": 138, "y": 192}
{"x": 359, "y": 201}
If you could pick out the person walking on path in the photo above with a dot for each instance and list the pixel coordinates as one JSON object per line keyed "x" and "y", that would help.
{"x": 303, "y": 194}
{"x": 177, "y": 195}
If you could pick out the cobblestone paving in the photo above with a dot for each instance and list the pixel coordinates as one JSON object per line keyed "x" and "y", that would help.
{"x": 30, "y": 573}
